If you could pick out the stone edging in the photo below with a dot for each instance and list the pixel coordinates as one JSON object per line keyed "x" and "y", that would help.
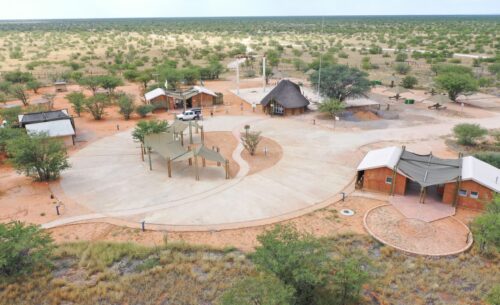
{"x": 467, "y": 247}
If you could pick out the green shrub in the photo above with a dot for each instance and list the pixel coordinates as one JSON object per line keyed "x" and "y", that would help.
{"x": 23, "y": 248}
{"x": 489, "y": 157}
{"x": 402, "y": 68}
{"x": 144, "y": 110}
{"x": 262, "y": 290}
{"x": 409, "y": 82}
{"x": 77, "y": 101}
{"x": 493, "y": 297}
{"x": 38, "y": 156}
{"x": 456, "y": 84}
{"x": 486, "y": 227}
{"x": 126, "y": 105}
{"x": 97, "y": 105}
{"x": 468, "y": 134}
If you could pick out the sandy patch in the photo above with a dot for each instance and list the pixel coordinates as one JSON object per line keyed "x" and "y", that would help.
{"x": 261, "y": 160}
{"x": 324, "y": 222}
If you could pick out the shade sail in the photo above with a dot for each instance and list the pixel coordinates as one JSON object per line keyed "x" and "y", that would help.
{"x": 429, "y": 170}
{"x": 210, "y": 154}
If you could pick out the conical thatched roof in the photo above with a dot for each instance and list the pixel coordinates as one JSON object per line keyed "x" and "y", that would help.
{"x": 287, "y": 94}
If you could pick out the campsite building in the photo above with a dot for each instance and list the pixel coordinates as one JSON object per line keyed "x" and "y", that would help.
{"x": 465, "y": 181}
{"x": 196, "y": 96}
{"x": 57, "y": 124}
{"x": 285, "y": 99}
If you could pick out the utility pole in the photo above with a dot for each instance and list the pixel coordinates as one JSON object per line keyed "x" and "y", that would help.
{"x": 320, "y": 59}
{"x": 237, "y": 77}
{"x": 264, "y": 73}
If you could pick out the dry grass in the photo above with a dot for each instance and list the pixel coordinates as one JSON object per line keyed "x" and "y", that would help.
{"x": 112, "y": 273}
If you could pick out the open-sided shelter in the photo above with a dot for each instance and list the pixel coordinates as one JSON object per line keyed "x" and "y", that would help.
{"x": 465, "y": 181}
{"x": 285, "y": 99}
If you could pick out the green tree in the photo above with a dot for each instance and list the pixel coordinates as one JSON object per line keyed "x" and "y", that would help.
{"x": 19, "y": 92}
{"x": 7, "y": 134}
{"x": 402, "y": 68}
{"x": 467, "y": 134}
{"x": 346, "y": 284}
{"x": 486, "y": 227}
{"x": 262, "y": 290}
{"x": 272, "y": 58}
{"x": 447, "y": 68}
{"x": 126, "y": 105}
{"x": 110, "y": 82}
{"x": 90, "y": 82}
{"x": 250, "y": 140}
{"x": 38, "y": 156}
{"x": 341, "y": 82}
{"x": 409, "y": 82}
{"x": 77, "y": 101}
{"x": 298, "y": 260}
{"x": 23, "y": 248}
{"x": 332, "y": 106}
{"x": 456, "y": 84}
{"x": 34, "y": 85}
{"x": 144, "y": 128}
{"x": 11, "y": 115}
{"x": 97, "y": 105}
{"x": 494, "y": 69}
{"x": 18, "y": 77}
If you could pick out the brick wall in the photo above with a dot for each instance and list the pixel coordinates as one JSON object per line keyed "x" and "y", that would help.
{"x": 374, "y": 180}
{"x": 485, "y": 194}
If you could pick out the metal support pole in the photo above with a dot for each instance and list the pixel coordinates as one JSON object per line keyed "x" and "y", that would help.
{"x": 190, "y": 133}
{"x": 196, "y": 168}
{"x": 190, "y": 161}
{"x": 169, "y": 167}
{"x": 142, "y": 152}
{"x": 57, "y": 210}
{"x": 264, "y": 74}
{"x": 149, "y": 157}
{"x": 237, "y": 78}
{"x": 343, "y": 196}
{"x": 143, "y": 225}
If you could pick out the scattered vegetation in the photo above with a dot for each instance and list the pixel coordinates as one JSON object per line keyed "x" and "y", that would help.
{"x": 467, "y": 134}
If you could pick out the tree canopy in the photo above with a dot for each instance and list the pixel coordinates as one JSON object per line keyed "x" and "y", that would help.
{"x": 341, "y": 82}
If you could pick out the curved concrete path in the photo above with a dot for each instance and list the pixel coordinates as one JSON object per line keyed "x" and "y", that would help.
{"x": 109, "y": 178}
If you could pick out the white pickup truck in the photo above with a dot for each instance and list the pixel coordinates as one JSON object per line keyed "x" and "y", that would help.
{"x": 189, "y": 115}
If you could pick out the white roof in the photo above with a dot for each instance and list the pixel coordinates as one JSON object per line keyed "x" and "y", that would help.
{"x": 481, "y": 172}
{"x": 59, "y": 128}
{"x": 204, "y": 90}
{"x": 154, "y": 94}
{"x": 384, "y": 157}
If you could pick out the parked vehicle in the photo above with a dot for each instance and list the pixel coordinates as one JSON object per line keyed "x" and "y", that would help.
{"x": 188, "y": 115}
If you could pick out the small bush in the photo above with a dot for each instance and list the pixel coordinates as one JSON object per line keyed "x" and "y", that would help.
{"x": 468, "y": 134}
{"x": 486, "y": 227}
{"x": 144, "y": 110}
{"x": 489, "y": 157}
{"x": 409, "y": 82}
{"x": 23, "y": 248}
{"x": 402, "y": 68}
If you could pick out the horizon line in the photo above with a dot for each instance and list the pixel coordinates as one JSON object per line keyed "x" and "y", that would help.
{"x": 251, "y": 16}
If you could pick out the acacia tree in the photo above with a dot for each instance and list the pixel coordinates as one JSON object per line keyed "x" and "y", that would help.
{"x": 19, "y": 92}
{"x": 38, "y": 156}
{"x": 301, "y": 261}
{"x": 126, "y": 105}
{"x": 456, "y": 84}
{"x": 144, "y": 128}
{"x": 110, "y": 82}
{"x": 77, "y": 101}
{"x": 468, "y": 134}
{"x": 90, "y": 82}
{"x": 34, "y": 85}
{"x": 486, "y": 228}
{"x": 332, "y": 106}
{"x": 250, "y": 140}
{"x": 23, "y": 248}
{"x": 341, "y": 82}
{"x": 97, "y": 105}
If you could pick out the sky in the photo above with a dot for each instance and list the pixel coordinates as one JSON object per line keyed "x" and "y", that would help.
{"x": 56, "y": 9}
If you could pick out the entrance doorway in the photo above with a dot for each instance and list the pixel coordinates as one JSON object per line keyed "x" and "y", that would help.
{"x": 433, "y": 193}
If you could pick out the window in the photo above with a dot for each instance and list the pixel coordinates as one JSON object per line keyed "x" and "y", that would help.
{"x": 462, "y": 193}
{"x": 474, "y": 195}
{"x": 388, "y": 180}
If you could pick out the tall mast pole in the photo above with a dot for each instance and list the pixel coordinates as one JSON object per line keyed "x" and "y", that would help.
{"x": 264, "y": 74}
{"x": 321, "y": 57}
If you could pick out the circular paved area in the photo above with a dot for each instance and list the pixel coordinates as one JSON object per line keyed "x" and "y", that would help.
{"x": 446, "y": 236}
{"x": 109, "y": 177}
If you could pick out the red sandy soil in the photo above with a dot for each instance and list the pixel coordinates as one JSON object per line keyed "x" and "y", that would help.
{"x": 260, "y": 160}
{"x": 325, "y": 222}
